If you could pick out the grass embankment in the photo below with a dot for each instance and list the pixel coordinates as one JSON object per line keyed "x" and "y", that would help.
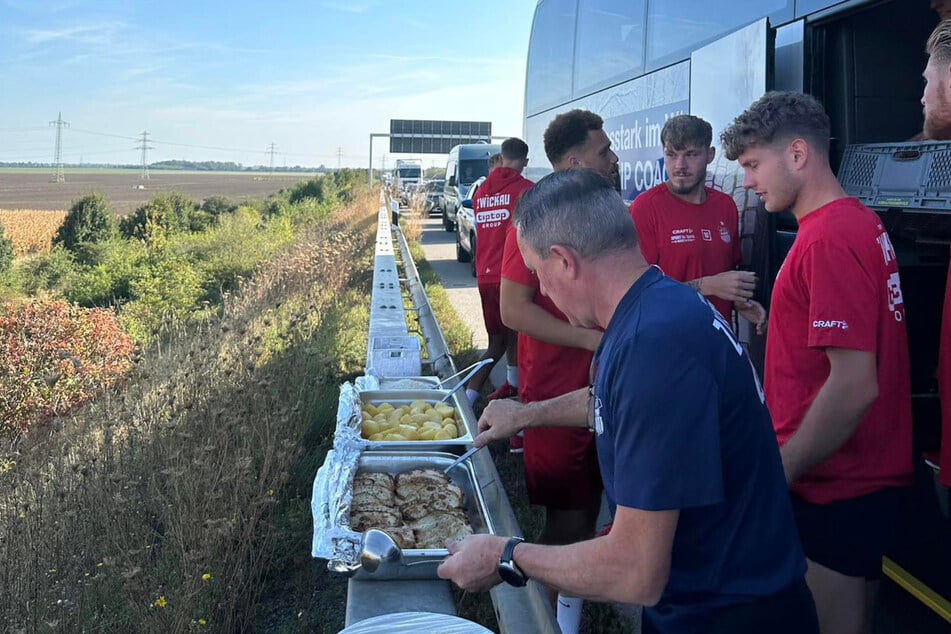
{"x": 175, "y": 504}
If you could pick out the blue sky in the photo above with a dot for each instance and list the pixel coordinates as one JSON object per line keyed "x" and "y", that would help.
{"x": 309, "y": 76}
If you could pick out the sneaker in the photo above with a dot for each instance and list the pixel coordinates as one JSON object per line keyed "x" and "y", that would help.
{"x": 505, "y": 391}
{"x": 516, "y": 443}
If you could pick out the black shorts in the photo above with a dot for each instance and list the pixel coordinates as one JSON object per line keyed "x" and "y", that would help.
{"x": 850, "y": 536}
{"x": 791, "y": 611}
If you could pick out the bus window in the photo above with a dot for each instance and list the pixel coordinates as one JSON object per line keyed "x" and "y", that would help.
{"x": 610, "y": 43}
{"x": 676, "y": 28}
{"x": 804, "y": 7}
{"x": 550, "y": 54}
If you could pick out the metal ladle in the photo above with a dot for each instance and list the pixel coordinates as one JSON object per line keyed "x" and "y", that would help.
{"x": 378, "y": 548}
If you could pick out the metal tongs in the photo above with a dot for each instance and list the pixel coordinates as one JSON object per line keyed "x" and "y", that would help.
{"x": 458, "y": 461}
{"x": 471, "y": 370}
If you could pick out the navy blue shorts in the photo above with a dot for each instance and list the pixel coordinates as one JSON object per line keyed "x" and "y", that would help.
{"x": 850, "y": 536}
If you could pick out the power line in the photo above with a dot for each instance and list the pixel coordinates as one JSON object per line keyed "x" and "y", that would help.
{"x": 58, "y": 175}
{"x": 145, "y": 147}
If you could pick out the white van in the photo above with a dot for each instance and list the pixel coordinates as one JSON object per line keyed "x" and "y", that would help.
{"x": 466, "y": 163}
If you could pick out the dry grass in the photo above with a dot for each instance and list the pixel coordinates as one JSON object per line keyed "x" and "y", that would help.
{"x": 169, "y": 506}
{"x": 31, "y": 230}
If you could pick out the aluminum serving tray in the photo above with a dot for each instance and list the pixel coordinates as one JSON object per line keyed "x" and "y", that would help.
{"x": 465, "y": 419}
{"x": 419, "y": 563}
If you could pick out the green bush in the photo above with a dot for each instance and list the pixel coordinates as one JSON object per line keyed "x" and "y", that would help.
{"x": 162, "y": 216}
{"x": 107, "y": 274}
{"x": 167, "y": 294}
{"x": 216, "y": 206}
{"x": 321, "y": 188}
{"x": 51, "y": 272}
{"x": 6, "y": 252}
{"x": 90, "y": 219}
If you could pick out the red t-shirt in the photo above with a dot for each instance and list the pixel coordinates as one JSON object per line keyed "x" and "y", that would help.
{"x": 492, "y": 208}
{"x": 839, "y": 288}
{"x": 944, "y": 386}
{"x": 544, "y": 370}
{"x": 689, "y": 241}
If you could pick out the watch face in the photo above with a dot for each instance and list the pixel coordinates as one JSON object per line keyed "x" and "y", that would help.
{"x": 511, "y": 576}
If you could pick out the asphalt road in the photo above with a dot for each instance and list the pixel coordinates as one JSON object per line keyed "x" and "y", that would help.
{"x": 440, "y": 248}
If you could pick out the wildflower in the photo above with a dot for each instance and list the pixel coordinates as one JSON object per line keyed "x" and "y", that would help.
{"x": 270, "y": 491}
{"x": 161, "y": 602}
{"x": 100, "y": 564}
{"x": 202, "y": 622}
{"x": 206, "y": 576}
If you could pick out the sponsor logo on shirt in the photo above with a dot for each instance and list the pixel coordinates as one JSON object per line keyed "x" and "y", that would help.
{"x": 895, "y": 299}
{"x": 725, "y": 233}
{"x": 834, "y": 323}
{"x": 495, "y": 200}
{"x": 495, "y": 216}
{"x": 706, "y": 235}
{"x": 682, "y": 236}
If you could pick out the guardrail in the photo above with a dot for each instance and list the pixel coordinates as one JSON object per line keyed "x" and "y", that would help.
{"x": 518, "y": 610}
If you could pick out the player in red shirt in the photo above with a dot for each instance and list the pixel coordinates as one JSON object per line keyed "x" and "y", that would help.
{"x": 561, "y": 465}
{"x": 837, "y": 370}
{"x": 936, "y": 100}
{"x": 691, "y": 231}
{"x": 492, "y": 209}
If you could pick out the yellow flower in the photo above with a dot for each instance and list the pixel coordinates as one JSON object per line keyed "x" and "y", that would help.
{"x": 270, "y": 491}
{"x": 202, "y": 622}
{"x": 161, "y": 602}
{"x": 206, "y": 576}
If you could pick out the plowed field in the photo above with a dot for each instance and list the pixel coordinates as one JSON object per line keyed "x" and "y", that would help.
{"x": 31, "y": 189}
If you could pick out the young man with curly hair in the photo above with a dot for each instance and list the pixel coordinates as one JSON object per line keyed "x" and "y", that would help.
{"x": 837, "y": 370}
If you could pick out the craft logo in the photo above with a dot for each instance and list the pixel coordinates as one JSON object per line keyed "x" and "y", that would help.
{"x": 681, "y": 236}
{"x": 834, "y": 323}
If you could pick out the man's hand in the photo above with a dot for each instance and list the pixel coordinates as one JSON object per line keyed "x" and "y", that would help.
{"x": 473, "y": 563}
{"x": 501, "y": 418}
{"x": 733, "y": 286}
{"x": 753, "y": 312}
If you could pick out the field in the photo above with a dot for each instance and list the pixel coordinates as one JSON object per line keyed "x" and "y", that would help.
{"x": 31, "y": 189}
{"x": 31, "y": 230}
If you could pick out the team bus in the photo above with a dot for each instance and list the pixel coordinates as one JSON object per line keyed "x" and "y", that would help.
{"x": 638, "y": 62}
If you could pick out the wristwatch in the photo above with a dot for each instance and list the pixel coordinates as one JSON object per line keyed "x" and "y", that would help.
{"x": 508, "y": 569}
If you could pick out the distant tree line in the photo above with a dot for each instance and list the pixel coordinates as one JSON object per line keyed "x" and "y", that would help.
{"x": 181, "y": 165}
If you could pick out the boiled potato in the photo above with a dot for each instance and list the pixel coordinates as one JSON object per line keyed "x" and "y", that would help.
{"x": 417, "y": 420}
{"x": 370, "y": 427}
{"x": 428, "y": 433}
{"x": 445, "y": 410}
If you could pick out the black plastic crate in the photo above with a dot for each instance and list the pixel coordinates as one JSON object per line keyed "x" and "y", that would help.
{"x": 909, "y": 184}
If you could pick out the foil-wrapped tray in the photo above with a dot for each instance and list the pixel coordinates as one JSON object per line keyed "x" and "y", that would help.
{"x": 419, "y": 563}
{"x": 333, "y": 490}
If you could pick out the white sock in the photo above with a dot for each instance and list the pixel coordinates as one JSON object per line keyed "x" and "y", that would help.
{"x": 472, "y": 395}
{"x": 569, "y": 614}
{"x": 511, "y": 375}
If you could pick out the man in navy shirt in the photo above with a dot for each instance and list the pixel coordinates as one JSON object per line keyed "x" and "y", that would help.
{"x": 703, "y": 533}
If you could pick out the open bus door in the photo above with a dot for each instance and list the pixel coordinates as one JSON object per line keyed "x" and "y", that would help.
{"x": 726, "y": 76}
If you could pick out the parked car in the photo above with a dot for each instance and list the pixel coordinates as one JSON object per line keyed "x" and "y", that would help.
{"x": 466, "y": 163}
{"x": 427, "y": 198}
{"x": 466, "y": 228}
